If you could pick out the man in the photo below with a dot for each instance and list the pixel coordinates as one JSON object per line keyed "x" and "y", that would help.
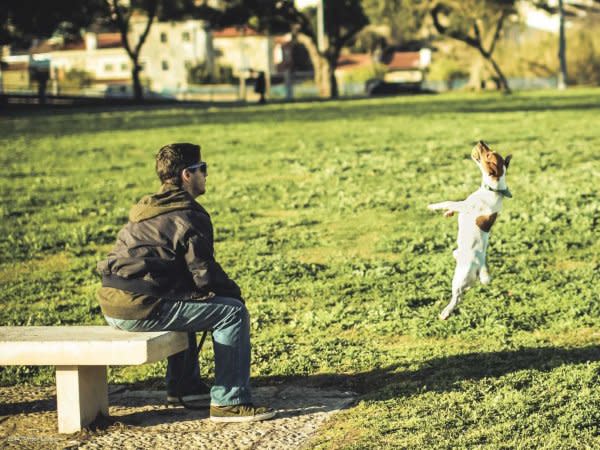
{"x": 260, "y": 86}
{"x": 162, "y": 275}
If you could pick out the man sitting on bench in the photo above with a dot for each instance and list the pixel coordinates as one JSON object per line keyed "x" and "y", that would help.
{"x": 162, "y": 275}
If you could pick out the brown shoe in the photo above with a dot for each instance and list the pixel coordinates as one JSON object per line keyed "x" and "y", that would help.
{"x": 240, "y": 413}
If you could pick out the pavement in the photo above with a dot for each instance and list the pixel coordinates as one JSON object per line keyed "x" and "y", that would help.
{"x": 142, "y": 420}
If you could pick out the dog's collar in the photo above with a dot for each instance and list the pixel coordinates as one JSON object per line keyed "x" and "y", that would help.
{"x": 504, "y": 192}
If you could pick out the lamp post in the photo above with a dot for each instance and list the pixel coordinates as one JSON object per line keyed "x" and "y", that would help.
{"x": 320, "y": 26}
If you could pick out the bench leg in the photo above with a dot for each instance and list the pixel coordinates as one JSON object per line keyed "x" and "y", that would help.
{"x": 81, "y": 393}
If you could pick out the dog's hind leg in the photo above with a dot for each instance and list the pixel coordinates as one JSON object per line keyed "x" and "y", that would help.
{"x": 484, "y": 274}
{"x": 464, "y": 275}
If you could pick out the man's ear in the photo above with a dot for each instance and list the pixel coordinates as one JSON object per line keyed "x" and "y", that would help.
{"x": 507, "y": 160}
{"x": 185, "y": 175}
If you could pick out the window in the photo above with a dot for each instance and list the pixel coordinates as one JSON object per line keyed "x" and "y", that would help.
{"x": 163, "y": 38}
{"x": 124, "y": 67}
{"x": 165, "y": 65}
{"x": 108, "y": 67}
{"x": 185, "y": 36}
{"x": 187, "y": 65}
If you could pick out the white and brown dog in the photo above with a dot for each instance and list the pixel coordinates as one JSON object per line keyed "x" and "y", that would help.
{"x": 476, "y": 215}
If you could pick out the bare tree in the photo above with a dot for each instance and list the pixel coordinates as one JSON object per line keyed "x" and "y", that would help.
{"x": 121, "y": 17}
{"x": 343, "y": 19}
{"x": 474, "y": 22}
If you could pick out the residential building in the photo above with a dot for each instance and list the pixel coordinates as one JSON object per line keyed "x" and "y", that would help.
{"x": 243, "y": 49}
{"x": 171, "y": 49}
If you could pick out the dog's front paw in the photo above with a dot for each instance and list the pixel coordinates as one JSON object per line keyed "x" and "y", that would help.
{"x": 484, "y": 276}
{"x": 445, "y": 314}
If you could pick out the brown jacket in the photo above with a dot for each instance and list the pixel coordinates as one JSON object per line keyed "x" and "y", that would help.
{"x": 164, "y": 253}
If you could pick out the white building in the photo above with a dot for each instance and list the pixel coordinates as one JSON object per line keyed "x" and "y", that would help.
{"x": 243, "y": 49}
{"x": 170, "y": 50}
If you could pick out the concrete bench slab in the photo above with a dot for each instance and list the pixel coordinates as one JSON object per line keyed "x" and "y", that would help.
{"x": 81, "y": 355}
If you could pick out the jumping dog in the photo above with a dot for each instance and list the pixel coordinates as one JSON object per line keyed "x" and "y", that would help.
{"x": 476, "y": 215}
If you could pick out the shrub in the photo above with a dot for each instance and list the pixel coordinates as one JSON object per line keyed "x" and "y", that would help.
{"x": 201, "y": 74}
{"x": 583, "y": 55}
{"x": 76, "y": 78}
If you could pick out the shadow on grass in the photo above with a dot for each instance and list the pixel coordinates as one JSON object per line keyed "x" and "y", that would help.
{"x": 435, "y": 375}
{"x": 444, "y": 374}
{"x": 148, "y": 117}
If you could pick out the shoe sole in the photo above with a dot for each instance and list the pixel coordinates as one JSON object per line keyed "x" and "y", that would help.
{"x": 187, "y": 398}
{"x": 240, "y": 419}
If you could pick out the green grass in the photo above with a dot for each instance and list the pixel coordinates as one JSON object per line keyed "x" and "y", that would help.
{"x": 319, "y": 213}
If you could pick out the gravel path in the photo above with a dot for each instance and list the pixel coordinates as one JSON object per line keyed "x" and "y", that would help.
{"x": 28, "y": 421}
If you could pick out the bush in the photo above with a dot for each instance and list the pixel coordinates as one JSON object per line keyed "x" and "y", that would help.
{"x": 447, "y": 70}
{"x": 537, "y": 56}
{"x": 76, "y": 78}
{"x": 201, "y": 74}
{"x": 363, "y": 74}
{"x": 583, "y": 55}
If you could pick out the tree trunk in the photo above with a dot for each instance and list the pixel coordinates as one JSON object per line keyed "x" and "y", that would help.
{"x": 333, "y": 86}
{"x": 321, "y": 67}
{"x": 475, "y": 76}
{"x": 562, "y": 76}
{"x": 503, "y": 82}
{"x": 138, "y": 93}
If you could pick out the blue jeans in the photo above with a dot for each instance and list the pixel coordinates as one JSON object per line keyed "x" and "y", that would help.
{"x": 229, "y": 322}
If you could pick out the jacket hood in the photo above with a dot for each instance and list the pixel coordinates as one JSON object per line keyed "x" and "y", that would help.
{"x": 169, "y": 198}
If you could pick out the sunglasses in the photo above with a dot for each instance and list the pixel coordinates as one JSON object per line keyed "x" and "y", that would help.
{"x": 202, "y": 166}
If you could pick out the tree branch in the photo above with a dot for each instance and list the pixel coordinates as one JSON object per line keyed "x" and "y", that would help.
{"x": 122, "y": 23}
{"x": 151, "y": 11}
{"x": 499, "y": 25}
{"x": 441, "y": 9}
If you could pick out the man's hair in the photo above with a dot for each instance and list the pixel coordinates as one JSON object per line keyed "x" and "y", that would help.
{"x": 173, "y": 158}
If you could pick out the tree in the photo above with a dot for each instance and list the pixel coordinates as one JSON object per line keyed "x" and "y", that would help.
{"x": 121, "y": 12}
{"x": 22, "y": 20}
{"x": 474, "y": 22}
{"x": 399, "y": 21}
{"x": 120, "y": 15}
{"x": 343, "y": 19}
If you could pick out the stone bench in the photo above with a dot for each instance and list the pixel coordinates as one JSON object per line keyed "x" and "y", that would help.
{"x": 81, "y": 355}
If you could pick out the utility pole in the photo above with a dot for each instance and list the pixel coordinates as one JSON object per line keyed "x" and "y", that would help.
{"x": 562, "y": 76}
{"x": 320, "y": 26}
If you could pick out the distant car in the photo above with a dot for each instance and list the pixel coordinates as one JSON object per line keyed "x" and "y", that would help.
{"x": 126, "y": 91}
{"x": 381, "y": 87}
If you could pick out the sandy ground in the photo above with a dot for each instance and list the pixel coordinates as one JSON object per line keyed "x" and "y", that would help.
{"x": 143, "y": 421}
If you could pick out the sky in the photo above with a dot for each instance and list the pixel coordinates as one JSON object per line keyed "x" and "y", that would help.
{"x": 304, "y": 3}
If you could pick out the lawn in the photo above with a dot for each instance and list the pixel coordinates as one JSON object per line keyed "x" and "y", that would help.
{"x": 320, "y": 215}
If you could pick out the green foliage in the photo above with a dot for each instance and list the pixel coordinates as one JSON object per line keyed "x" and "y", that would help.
{"x": 76, "y": 78}
{"x": 534, "y": 54}
{"x": 363, "y": 74}
{"x": 583, "y": 54}
{"x": 320, "y": 215}
{"x": 402, "y": 20}
{"x": 447, "y": 69}
{"x": 201, "y": 74}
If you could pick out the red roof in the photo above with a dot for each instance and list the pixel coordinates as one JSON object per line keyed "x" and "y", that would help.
{"x": 231, "y": 32}
{"x": 404, "y": 61}
{"x": 15, "y": 66}
{"x": 109, "y": 40}
{"x": 104, "y": 40}
{"x": 354, "y": 61}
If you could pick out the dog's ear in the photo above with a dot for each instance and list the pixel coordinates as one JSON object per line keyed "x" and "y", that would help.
{"x": 507, "y": 160}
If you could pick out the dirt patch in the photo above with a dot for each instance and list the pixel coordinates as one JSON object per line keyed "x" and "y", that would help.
{"x": 142, "y": 420}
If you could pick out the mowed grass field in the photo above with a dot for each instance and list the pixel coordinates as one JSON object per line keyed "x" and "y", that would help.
{"x": 320, "y": 215}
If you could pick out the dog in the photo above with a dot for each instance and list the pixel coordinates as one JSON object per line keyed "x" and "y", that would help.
{"x": 476, "y": 216}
